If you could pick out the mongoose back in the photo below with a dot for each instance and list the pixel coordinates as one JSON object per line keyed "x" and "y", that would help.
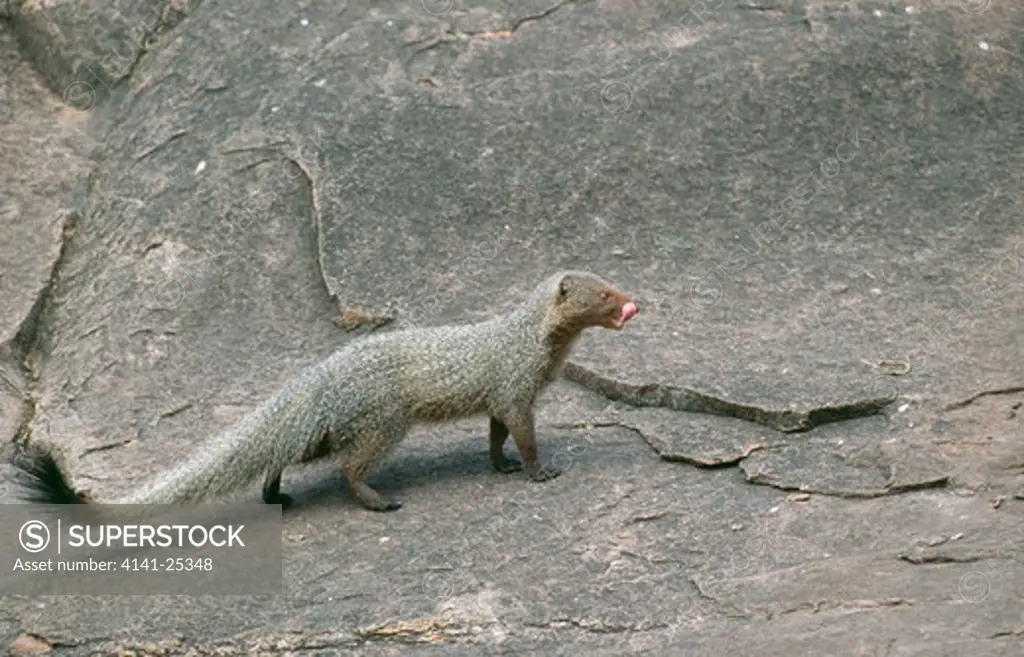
{"x": 357, "y": 404}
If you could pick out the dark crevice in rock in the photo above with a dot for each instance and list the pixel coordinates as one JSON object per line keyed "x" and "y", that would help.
{"x": 66, "y": 68}
{"x": 273, "y": 150}
{"x": 318, "y": 228}
{"x": 178, "y": 134}
{"x": 720, "y": 605}
{"x": 164, "y": 22}
{"x": 918, "y": 559}
{"x": 674, "y": 457}
{"x": 105, "y": 447}
{"x": 826, "y": 605}
{"x": 451, "y": 34}
{"x": 682, "y": 458}
{"x": 595, "y": 626}
{"x": 180, "y": 408}
{"x": 947, "y": 550}
{"x": 522, "y": 21}
{"x": 28, "y": 415}
{"x": 170, "y": 15}
{"x": 938, "y": 481}
{"x": 25, "y": 343}
{"x": 848, "y": 411}
{"x": 130, "y": 69}
{"x": 302, "y": 641}
{"x": 70, "y": 642}
{"x": 416, "y": 630}
{"x": 692, "y": 401}
{"x": 26, "y": 340}
{"x": 702, "y": 592}
{"x": 148, "y": 37}
{"x": 1008, "y": 390}
{"x": 1017, "y": 631}
{"x": 447, "y": 36}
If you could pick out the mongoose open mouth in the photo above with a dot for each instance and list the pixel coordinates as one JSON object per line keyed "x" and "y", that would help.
{"x": 628, "y": 311}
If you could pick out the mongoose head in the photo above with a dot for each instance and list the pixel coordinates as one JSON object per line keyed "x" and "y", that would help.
{"x": 583, "y": 300}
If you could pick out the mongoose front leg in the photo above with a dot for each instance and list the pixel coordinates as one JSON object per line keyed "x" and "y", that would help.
{"x": 522, "y": 428}
{"x": 272, "y": 491}
{"x": 499, "y": 432}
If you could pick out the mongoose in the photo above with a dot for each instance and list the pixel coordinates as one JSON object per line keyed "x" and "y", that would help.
{"x": 359, "y": 403}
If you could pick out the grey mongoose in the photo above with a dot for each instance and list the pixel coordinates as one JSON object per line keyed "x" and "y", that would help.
{"x": 358, "y": 403}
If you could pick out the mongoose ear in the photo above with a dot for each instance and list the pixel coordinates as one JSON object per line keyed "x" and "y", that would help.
{"x": 563, "y": 288}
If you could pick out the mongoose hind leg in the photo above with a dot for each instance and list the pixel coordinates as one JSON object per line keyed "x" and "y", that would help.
{"x": 362, "y": 456}
{"x": 503, "y": 464}
{"x": 272, "y": 491}
{"x": 521, "y": 426}
{"x": 368, "y": 497}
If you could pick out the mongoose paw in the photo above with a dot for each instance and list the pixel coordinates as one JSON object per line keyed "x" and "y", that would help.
{"x": 280, "y": 498}
{"x": 508, "y": 466}
{"x": 388, "y": 505}
{"x": 545, "y": 473}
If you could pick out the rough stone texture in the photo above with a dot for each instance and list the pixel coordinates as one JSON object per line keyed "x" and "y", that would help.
{"x": 817, "y": 205}
{"x": 45, "y": 159}
{"x": 84, "y": 48}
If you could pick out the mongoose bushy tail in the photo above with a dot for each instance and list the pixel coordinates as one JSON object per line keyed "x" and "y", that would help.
{"x": 361, "y": 401}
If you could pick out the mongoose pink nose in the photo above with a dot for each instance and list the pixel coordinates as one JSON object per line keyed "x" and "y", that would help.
{"x": 628, "y": 311}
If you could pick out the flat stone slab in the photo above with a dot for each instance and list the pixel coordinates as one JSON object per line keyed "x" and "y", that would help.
{"x": 861, "y": 460}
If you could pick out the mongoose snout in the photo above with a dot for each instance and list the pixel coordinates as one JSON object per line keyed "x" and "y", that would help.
{"x": 629, "y": 309}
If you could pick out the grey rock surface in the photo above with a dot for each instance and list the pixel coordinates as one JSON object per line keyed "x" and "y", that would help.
{"x": 808, "y": 442}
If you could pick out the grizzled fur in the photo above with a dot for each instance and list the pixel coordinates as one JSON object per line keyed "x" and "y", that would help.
{"x": 361, "y": 401}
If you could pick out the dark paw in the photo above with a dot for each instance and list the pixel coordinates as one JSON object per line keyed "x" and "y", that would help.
{"x": 508, "y": 466}
{"x": 546, "y": 473}
{"x": 280, "y": 498}
{"x": 387, "y": 505}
